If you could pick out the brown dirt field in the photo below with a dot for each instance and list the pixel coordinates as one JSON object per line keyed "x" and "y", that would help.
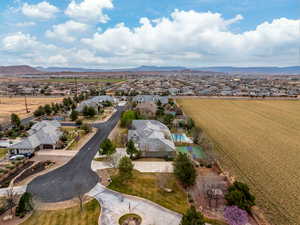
{"x": 259, "y": 142}
{"x": 17, "y": 105}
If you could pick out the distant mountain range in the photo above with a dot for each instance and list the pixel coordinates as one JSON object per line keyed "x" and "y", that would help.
{"x": 18, "y": 70}
{"x": 24, "y": 69}
{"x": 224, "y": 69}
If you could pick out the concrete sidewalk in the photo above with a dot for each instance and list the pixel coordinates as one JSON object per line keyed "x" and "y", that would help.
{"x": 17, "y": 190}
{"x": 114, "y": 205}
{"x": 144, "y": 167}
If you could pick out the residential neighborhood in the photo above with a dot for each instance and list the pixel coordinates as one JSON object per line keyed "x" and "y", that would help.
{"x": 182, "y": 112}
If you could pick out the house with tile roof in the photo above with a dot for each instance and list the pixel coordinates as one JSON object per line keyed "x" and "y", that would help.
{"x": 152, "y": 138}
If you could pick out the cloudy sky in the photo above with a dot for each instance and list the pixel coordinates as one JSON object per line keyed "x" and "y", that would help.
{"x": 126, "y": 33}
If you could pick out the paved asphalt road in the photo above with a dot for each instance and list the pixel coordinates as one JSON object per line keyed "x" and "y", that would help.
{"x": 75, "y": 177}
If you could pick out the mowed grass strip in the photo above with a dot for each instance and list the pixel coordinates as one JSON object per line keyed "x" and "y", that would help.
{"x": 259, "y": 141}
{"x": 69, "y": 216}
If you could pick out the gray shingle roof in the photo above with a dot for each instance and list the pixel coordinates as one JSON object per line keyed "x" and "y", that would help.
{"x": 42, "y": 133}
{"x": 151, "y": 98}
{"x": 151, "y": 135}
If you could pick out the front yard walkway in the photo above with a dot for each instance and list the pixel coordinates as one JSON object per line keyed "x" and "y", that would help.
{"x": 114, "y": 205}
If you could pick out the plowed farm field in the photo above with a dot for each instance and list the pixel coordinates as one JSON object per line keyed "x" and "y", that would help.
{"x": 259, "y": 142}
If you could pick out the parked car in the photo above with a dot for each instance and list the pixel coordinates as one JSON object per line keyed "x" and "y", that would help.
{"x": 28, "y": 155}
{"x": 16, "y": 157}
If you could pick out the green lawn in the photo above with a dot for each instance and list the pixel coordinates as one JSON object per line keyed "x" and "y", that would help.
{"x": 145, "y": 185}
{"x": 69, "y": 216}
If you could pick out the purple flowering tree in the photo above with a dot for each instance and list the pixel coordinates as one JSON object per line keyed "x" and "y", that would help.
{"x": 235, "y": 216}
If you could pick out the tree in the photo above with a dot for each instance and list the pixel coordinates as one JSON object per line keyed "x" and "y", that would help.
{"x": 131, "y": 150}
{"x": 91, "y": 111}
{"x": 74, "y": 115}
{"x": 190, "y": 123}
{"x": 125, "y": 167}
{"x": 235, "y": 216}
{"x": 78, "y": 122}
{"x": 192, "y": 217}
{"x": 184, "y": 169}
{"x": 158, "y": 103}
{"x": 107, "y": 147}
{"x": 39, "y": 112}
{"x": 48, "y": 109}
{"x": 15, "y": 120}
{"x": 239, "y": 195}
{"x": 11, "y": 198}
{"x": 197, "y": 135}
{"x": 25, "y": 205}
{"x": 80, "y": 195}
{"x": 127, "y": 118}
{"x": 168, "y": 119}
{"x": 86, "y": 127}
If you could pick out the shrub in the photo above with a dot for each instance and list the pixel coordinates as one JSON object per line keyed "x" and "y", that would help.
{"x": 192, "y": 217}
{"x": 239, "y": 195}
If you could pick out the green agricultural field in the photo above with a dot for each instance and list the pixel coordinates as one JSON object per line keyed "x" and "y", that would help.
{"x": 258, "y": 141}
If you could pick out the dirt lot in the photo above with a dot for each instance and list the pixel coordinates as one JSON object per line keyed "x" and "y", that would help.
{"x": 9, "y": 105}
{"x": 258, "y": 141}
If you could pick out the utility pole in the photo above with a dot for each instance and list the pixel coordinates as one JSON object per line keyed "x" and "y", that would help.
{"x": 76, "y": 87}
{"x": 27, "y": 111}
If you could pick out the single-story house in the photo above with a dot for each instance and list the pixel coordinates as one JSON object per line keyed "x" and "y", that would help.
{"x": 96, "y": 102}
{"x": 152, "y": 138}
{"x": 42, "y": 135}
{"x": 150, "y": 98}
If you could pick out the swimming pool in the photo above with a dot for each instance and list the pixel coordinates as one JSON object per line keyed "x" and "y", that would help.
{"x": 182, "y": 138}
{"x": 195, "y": 151}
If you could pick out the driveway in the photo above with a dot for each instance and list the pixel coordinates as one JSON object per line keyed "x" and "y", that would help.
{"x": 144, "y": 167}
{"x": 75, "y": 177}
{"x": 114, "y": 205}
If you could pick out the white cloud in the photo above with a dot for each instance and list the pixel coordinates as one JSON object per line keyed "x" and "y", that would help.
{"x": 204, "y": 36}
{"x": 66, "y": 31}
{"x": 89, "y": 10}
{"x": 26, "y": 49}
{"x": 186, "y": 38}
{"x": 18, "y": 42}
{"x": 25, "y": 24}
{"x": 42, "y": 10}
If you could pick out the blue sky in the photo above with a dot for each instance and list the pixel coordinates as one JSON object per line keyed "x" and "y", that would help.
{"x": 112, "y": 33}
